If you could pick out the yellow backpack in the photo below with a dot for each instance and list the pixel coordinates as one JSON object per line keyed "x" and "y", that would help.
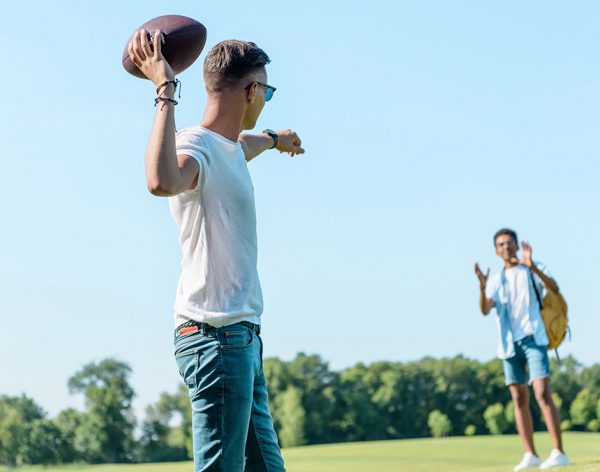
{"x": 554, "y": 313}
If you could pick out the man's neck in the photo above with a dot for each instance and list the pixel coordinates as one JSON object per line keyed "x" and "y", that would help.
{"x": 223, "y": 117}
{"x": 510, "y": 264}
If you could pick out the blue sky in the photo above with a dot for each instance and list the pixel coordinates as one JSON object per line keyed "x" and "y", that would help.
{"x": 427, "y": 125}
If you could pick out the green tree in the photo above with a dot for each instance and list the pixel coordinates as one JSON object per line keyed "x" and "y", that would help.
{"x": 509, "y": 413}
{"x": 404, "y": 396}
{"x": 69, "y": 422}
{"x": 495, "y": 418}
{"x": 458, "y": 392}
{"x": 278, "y": 379}
{"x": 387, "y": 400}
{"x": 106, "y": 433}
{"x": 439, "y": 424}
{"x": 179, "y": 404}
{"x": 12, "y": 434}
{"x": 17, "y": 416}
{"x": 44, "y": 445}
{"x": 358, "y": 417}
{"x": 289, "y": 406}
{"x": 565, "y": 380}
{"x": 317, "y": 384}
{"x": 277, "y": 376}
{"x": 311, "y": 375}
{"x": 160, "y": 441}
{"x": 583, "y": 408}
{"x": 590, "y": 378}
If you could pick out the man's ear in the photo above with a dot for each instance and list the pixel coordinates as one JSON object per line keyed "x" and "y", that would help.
{"x": 251, "y": 92}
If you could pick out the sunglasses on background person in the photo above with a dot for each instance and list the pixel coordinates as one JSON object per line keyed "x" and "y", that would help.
{"x": 269, "y": 89}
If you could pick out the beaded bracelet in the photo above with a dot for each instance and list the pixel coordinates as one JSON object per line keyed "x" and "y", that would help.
{"x": 165, "y": 99}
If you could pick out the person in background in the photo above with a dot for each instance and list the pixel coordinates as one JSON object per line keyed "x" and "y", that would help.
{"x": 523, "y": 341}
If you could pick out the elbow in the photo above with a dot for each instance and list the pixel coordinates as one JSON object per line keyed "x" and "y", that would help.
{"x": 159, "y": 188}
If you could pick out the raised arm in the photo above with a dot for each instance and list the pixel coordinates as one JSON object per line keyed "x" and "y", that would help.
{"x": 167, "y": 173}
{"x": 485, "y": 303}
{"x": 527, "y": 261}
{"x": 254, "y": 144}
{"x": 549, "y": 282}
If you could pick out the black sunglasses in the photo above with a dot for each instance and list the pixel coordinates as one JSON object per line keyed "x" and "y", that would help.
{"x": 269, "y": 89}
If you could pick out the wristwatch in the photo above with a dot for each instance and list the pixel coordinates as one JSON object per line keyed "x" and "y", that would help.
{"x": 273, "y": 135}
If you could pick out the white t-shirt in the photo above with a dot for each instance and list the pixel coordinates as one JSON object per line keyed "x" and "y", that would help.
{"x": 517, "y": 307}
{"x": 517, "y": 284}
{"x": 219, "y": 281}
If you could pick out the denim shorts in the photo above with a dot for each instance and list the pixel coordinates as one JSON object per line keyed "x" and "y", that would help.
{"x": 529, "y": 363}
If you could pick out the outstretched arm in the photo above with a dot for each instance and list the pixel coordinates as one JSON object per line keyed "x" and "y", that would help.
{"x": 167, "y": 173}
{"x": 255, "y": 144}
{"x": 485, "y": 303}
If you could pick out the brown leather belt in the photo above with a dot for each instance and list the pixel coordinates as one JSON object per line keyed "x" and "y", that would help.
{"x": 193, "y": 326}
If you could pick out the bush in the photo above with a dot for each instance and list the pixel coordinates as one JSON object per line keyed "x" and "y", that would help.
{"x": 289, "y": 405}
{"x": 509, "y": 412}
{"x": 583, "y": 407}
{"x": 566, "y": 425}
{"x": 470, "y": 430}
{"x": 594, "y": 425}
{"x": 495, "y": 418}
{"x": 439, "y": 424}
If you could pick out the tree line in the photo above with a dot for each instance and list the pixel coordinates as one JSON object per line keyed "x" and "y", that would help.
{"x": 310, "y": 404}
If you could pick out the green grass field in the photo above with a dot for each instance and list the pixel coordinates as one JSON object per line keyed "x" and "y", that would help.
{"x": 461, "y": 454}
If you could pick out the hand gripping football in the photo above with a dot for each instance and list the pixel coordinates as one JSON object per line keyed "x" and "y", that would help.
{"x": 182, "y": 42}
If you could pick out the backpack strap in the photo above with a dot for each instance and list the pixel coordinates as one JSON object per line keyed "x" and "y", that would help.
{"x": 535, "y": 289}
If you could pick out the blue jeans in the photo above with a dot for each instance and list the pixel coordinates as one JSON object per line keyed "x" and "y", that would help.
{"x": 231, "y": 424}
{"x": 527, "y": 354}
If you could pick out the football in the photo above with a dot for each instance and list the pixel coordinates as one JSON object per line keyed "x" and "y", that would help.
{"x": 182, "y": 42}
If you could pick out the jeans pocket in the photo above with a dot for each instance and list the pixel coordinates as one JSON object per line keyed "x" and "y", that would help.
{"x": 236, "y": 337}
{"x": 187, "y": 364}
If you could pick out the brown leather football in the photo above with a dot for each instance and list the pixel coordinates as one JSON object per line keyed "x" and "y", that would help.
{"x": 183, "y": 41}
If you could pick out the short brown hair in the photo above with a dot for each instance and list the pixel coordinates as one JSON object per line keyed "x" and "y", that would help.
{"x": 508, "y": 232}
{"x": 230, "y": 61}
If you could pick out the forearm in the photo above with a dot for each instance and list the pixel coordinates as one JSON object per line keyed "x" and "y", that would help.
{"x": 162, "y": 169}
{"x": 548, "y": 282}
{"x": 255, "y": 144}
{"x": 484, "y": 304}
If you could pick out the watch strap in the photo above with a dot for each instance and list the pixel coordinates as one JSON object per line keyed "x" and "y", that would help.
{"x": 273, "y": 135}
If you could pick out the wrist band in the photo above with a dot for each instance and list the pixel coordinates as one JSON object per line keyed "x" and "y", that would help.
{"x": 160, "y": 92}
{"x": 175, "y": 82}
{"x": 165, "y": 99}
